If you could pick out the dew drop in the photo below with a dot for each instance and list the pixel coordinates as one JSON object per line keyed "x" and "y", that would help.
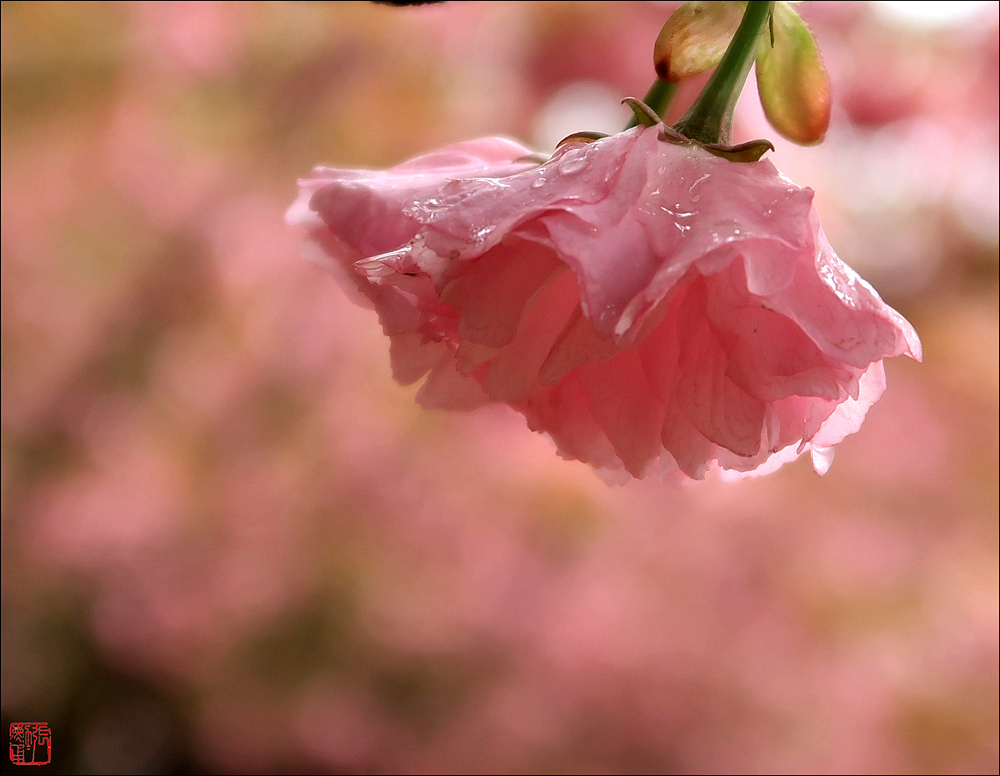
{"x": 698, "y": 182}
{"x": 538, "y": 183}
{"x": 482, "y": 233}
{"x": 573, "y": 166}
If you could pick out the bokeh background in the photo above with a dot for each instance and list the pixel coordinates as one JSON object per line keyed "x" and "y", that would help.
{"x": 231, "y": 543}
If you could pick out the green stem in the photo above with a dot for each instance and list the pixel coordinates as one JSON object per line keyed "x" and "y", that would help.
{"x": 710, "y": 118}
{"x": 659, "y": 97}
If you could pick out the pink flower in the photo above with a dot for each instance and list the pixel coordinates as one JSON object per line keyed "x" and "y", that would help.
{"x": 648, "y": 305}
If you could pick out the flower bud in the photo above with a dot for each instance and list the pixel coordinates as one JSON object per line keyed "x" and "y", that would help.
{"x": 791, "y": 78}
{"x": 694, "y": 38}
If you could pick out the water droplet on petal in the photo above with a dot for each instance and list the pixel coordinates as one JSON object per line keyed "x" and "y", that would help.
{"x": 538, "y": 183}
{"x": 698, "y": 182}
{"x": 572, "y": 166}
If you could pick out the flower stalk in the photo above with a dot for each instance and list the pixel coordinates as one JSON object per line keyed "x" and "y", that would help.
{"x": 710, "y": 118}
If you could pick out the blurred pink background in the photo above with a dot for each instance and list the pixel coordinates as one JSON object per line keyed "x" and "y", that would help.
{"x": 231, "y": 543}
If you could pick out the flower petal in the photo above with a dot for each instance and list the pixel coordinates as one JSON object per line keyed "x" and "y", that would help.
{"x": 493, "y": 292}
{"x": 623, "y": 403}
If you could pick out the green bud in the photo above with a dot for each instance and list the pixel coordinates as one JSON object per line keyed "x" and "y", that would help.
{"x": 791, "y": 78}
{"x": 694, "y": 38}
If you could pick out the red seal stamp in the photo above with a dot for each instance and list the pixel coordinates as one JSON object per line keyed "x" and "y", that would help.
{"x": 30, "y": 743}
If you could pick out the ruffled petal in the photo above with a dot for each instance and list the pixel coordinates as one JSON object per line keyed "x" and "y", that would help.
{"x": 513, "y": 373}
{"x": 492, "y": 293}
{"x": 623, "y": 403}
